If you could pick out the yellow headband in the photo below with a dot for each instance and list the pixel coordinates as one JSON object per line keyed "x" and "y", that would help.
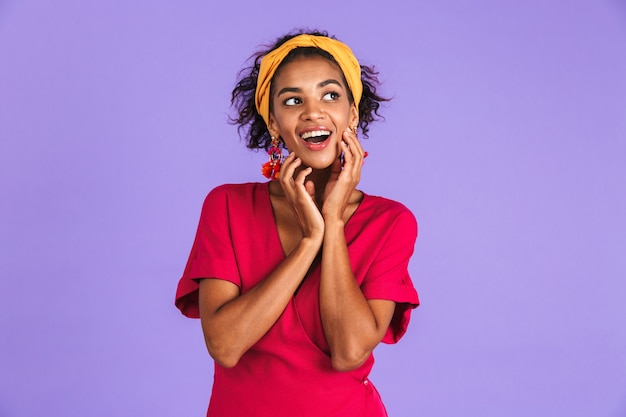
{"x": 270, "y": 62}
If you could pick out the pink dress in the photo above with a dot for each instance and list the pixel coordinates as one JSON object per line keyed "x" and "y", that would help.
{"x": 288, "y": 372}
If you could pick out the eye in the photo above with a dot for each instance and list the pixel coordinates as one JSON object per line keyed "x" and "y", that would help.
{"x": 292, "y": 101}
{"x": 332, "y": 96}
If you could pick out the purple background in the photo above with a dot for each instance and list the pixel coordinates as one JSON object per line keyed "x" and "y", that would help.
{"x": 506, "y": 137}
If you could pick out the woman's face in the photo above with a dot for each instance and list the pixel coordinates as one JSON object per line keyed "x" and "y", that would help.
{"x": 311, "y": 110}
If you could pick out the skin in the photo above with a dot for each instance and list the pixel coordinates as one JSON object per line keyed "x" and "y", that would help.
{"x": 312, "y": 200}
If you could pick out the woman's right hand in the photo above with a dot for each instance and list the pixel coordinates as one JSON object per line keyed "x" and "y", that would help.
{"x": 300, "y": 194}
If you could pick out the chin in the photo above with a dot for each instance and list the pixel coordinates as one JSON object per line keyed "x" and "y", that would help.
{"x": 321, "y": 163}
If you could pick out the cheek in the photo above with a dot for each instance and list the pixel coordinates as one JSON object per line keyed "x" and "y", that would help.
{"x": 281, "y": 118}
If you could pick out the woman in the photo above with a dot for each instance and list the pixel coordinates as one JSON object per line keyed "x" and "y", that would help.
{"x": 296, "y": 280}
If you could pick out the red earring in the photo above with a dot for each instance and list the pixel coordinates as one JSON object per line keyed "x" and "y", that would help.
{"x": 271, "y": 168}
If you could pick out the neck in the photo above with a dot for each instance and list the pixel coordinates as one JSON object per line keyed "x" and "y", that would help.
{"x": 319, "y": 178}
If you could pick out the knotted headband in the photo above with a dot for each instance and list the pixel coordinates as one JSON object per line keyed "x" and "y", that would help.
{"x": 270, "y": 62}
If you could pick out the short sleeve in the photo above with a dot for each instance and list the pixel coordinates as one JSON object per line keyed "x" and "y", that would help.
{"x": 388, "y": 277}
{"x": 212, "y": 254}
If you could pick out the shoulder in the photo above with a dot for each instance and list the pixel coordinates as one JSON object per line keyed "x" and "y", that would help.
{"x": 388, "y": 211}
{"x": 225, "y": 192}
{"x": 226, "y": 189}
{"x": 232, "y": 199}
{"x": 387, "y": 219}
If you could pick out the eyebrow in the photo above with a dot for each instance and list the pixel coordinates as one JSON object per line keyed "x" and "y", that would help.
{"x": 298, "y": 90}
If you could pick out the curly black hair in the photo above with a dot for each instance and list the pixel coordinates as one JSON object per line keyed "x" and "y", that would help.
{"x": 250, "y": 122}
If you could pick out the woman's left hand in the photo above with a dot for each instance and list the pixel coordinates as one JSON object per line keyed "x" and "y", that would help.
{"x": 343, "y": 180}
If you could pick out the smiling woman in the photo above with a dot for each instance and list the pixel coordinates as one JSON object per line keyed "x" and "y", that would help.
{"x": 311, "y": 110}
{"x": 298, "y": 279}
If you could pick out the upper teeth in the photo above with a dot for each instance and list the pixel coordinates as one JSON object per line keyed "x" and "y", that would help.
{"x": 315, "y": 133}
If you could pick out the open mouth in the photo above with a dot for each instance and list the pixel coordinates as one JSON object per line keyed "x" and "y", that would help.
{"x": 316, "y": 136}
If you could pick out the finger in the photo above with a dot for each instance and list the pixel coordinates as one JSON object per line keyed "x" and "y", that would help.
{"x": 352, "y": 153}
{"x": 347, "y": 152}
{"x": 353, "y": 163}
{"x": 302, "y": 175}
{"x": 356, "y": 148}
{"x": 310, "y": 188}
{"x": 289, "y": 166}
{"x": 353, "y": 142}
{"x": 303, "y": 187}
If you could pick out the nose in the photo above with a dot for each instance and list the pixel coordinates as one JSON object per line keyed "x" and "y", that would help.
{"x": 312, "y": 110}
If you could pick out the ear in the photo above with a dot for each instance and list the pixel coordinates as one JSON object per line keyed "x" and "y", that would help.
{"x": 272, "y": 127}
{"x": 354, "y": 116}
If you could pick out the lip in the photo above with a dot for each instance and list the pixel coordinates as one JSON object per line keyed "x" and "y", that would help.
{"x": 319, "y": 145}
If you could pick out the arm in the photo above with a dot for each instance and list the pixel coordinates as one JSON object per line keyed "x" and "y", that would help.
{"x": 233, "y": 322}
{"x": 353, "y": 326}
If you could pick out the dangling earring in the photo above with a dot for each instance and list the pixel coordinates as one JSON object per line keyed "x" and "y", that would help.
{"x": 271, "y": 168}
